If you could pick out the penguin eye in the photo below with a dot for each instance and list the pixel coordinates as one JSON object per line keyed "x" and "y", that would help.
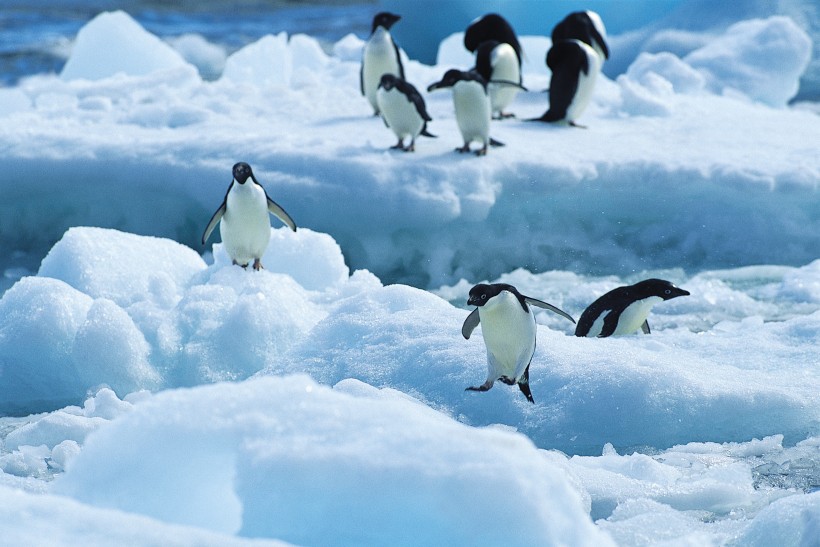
{"x": 484, "y": 297}
{"x": 668, "y": 291}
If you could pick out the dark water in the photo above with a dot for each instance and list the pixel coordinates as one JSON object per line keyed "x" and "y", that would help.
{"x": 35, "y": 35}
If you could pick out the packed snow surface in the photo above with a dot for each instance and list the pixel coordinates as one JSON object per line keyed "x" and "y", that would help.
{"x": 153, "y": 393}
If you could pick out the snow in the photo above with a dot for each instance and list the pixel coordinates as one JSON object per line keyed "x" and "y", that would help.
{"x": 153, "y": 393}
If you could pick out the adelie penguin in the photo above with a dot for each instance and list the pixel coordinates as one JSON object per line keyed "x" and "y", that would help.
{"x": 403, "y": 110}
{"x": 625, "y": 310}
{"x": 472, "y": 105}
{"x": 498, "y": 59}
{"x": 379, "y": 56}
{"x": 578, "y": 51}
{"x": 243, "y": 218}
{"x": 509, "y": 328}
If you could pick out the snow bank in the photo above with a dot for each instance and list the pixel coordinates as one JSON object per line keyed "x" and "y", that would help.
{"x": 287, "y": 458}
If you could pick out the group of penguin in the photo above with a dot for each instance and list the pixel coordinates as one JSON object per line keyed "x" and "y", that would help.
{"x": 507, "y": 320}
{"x": 485, "y": 91}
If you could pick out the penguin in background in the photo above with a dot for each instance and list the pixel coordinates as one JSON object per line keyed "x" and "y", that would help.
{"x": 499, "y": 63}
{"x": 624, "y": 310}
{"x": 499, "y": 66}
{"x": 575, "y": 67}
{"x": 586, "y": 26}
{"x": 508, "y": 327}
{"x": 243, "y": 218}
{"x": 472, "y": 106}
{"x": 379, "y": 56}
{"x": 403, "y": 110}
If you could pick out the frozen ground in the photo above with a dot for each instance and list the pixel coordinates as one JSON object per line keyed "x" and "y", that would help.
{"x": 155, "y": 394}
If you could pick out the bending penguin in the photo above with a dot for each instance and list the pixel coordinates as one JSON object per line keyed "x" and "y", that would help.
{"x": 575, "y": 67}
{"x": 403, "y": 110}
{"x": 498, "y": 59}
{"x": 472, "y": 105}
{"x": 379, "y": 56}
{"x": 508, "y": 326}
{"x": 243, "y": 218}
{"x": 624, "y": 310}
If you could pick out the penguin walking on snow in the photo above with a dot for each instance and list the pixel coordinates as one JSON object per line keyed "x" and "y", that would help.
{"x": 498, "y": 59}
{"x": 586, "y": 26}
{"x": 624, "y": 310}
{"x": 379, "y": 56}
{"x": 403, "y": 110}
{"x": 243, "y": 218}
{"x": 508, "y": 326}
{"x": 472, "y": 105}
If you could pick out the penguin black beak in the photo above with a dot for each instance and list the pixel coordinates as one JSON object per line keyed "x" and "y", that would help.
{"x": 433, "y": 87}
{"x": 472, "y": 301}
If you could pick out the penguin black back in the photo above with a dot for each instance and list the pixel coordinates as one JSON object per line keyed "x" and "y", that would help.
{"x": 390, "y": 81}
{"x": 580, "y": 25}
{"x": 491, "y": 27}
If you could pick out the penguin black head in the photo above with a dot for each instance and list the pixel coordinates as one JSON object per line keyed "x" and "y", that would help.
{"x": 453, "y": 76}
{"x": 388, "y": 81}
{"x": 242, "y": 172}
{"x": 482, "y": 293}
{"x": 384, "y": 19}
{"x": 585, "y": 26}
{"x": 657, "y": 287}
{"x": 491, "y": 27}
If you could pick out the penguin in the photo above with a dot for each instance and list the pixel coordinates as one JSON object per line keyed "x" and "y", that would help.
{"x": 498, "y": 64}
{"x": 379, "y": 56}
{"x": 624, "y": 310}
{"x": 508, "y": 327}
{"x": 491, "y": 27}
{"x": 403, "y": 110}
{"x": 243, "y": 218}
{"x": 472, "y": 104}
{"x": 586, "y": 26}
{"x": 575, "y": 67}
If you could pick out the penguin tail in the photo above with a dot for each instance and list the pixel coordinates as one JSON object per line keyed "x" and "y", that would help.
{"x": 548, "y": 116}
{"x": 494, "y": 142}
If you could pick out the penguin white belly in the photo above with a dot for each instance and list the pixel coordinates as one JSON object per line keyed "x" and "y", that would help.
{"x": 379, "y": 58}
{"x": 586, "y": 84}
{"x": 472, "y": 107}
{"x": 245, "y": 226}
{"x": 509, "y": 334}
{"x": 505, "y": 67}
{"x": 631, "y": 318}
{"x": 400, "y": 113}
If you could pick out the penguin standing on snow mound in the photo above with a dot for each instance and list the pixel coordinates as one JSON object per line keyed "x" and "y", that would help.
{"x": 624, "y": 310}
{"x": 403, "y": 110}
{"x": 575, "y": 67}
{"x": 379, "y": 56}
{"x": 586, "y": 26}
{"x": 472, "y": 105}
{"x": 243, "y": 218}
{"x": 508, "y": 326}
{"x": 498, "y": 64}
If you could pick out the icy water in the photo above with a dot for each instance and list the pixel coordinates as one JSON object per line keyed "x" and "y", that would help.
{"x": 35, "y": 37}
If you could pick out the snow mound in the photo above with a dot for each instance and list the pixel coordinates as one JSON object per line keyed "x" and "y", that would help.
{"x": 287, "y": 458}
{"x": 113, "y": 43}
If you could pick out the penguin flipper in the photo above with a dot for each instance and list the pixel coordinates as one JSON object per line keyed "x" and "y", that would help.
{"x": 524, "y": 385}
{"x": 645, "y": 327}
{"x": 278, "y": 212}
{"x": 217, "y": 216}
{"x": 541, "y": 304}
{"x": 398, "y": 58}
{"x": 470, "y": 324}
{"x": 427, "y": 133}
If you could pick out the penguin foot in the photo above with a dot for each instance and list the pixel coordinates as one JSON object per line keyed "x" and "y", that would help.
{"x": 257, "y": 264}
{"x": 463, "y": 149}
{"x": 235, "y": 263}
{"x": 481, "y": 151}
{"x": 507, "y": 380}
{"x": 578, "y": 125}
{"x": 483, "y": 387}
{"x": 410, "y": 147}
{"x": 504, "y": 116}
{"x": 398, "y": 146}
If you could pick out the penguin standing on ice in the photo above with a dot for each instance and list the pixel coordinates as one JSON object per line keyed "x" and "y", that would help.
{"x": 508, "y": 326}
{"x": 403, "y": 110}
{"x": 243, "y": 218}
{"x": 472, "y": 105}
{"x": 498, "y": 59}
{"x": 575, "y": 67}
{"x": 578, "y": 51}
{"x": 624, "y": 310}
{"x": 379, "y": 56}
{"x": 586, "y": 26}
